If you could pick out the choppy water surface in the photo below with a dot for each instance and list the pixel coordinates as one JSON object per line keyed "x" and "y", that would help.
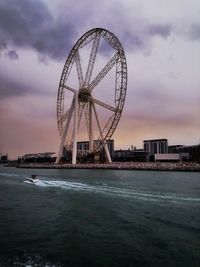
{"x": 99, "y": 218}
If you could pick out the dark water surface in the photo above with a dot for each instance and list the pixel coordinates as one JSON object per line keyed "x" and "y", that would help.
{"x": 99, "y": 218}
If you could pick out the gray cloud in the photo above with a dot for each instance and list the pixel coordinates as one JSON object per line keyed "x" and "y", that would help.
{"x": 133, "y": 29}
{"x": 12, "y": 54}
{"x": 11, "y": 88}
{"x": 158, "y": 29}
{"x": 194, "y": 32}
{"x": 140, "y": 39}
{"x": 133, "y": 41}
{"x": 55, "y": 41}
{"x": 2, "y": 45}
{"x": 189, "y": 30}
{"x": 30, "y": 24}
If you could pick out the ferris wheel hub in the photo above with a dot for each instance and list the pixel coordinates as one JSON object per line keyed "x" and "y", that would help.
{"x": 84, "y": 95}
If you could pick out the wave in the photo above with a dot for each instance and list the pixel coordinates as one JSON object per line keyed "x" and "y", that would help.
{"x": 27, "y": 260}
{"x": 115, "y": 191}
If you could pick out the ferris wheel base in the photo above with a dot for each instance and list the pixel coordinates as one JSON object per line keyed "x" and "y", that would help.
{"x": 89, "y": 158}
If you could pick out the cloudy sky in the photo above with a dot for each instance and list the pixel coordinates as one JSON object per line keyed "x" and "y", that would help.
{"x": 161, "y": 40}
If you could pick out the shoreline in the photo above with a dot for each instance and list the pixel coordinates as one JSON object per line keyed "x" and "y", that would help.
{"x": 140, "y": 166}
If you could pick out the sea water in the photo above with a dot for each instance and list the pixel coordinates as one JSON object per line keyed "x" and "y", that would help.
{"x": 99, "y": 218}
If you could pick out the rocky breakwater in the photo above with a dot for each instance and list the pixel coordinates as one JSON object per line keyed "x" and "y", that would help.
{"x": 148, "y": 166}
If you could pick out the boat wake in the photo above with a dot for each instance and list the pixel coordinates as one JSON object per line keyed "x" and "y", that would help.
{"x": 135, "y": 193}
{"x": 115, "y": 191}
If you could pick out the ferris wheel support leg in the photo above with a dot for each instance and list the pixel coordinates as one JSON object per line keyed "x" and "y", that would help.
{"x": 101, "y": 134}
{"x": 107, "y": 153}
{"x": 74, "y": 152}
{"x": 63, "y": 138}
{"x": 90, "y": 128}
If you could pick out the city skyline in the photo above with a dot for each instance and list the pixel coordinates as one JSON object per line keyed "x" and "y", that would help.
{"x": 161, "y": 43}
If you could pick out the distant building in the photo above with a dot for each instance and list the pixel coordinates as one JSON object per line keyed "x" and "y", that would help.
{"x": 159, "y": 150}
{"x": 192, "y": 152}
{"x": 156, "y": 146}
{"x": 83, "y": 146}
{"x": 174, "y": 148}
{"x": 130, "y": 155}
{"x": 3, "y": 158}
{"x": 38, "y": 158}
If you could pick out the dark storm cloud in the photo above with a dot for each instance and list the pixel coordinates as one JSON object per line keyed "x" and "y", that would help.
{"x": 29, "y": 24}
{"x": 20, "y": 19}
{"x": 56, "y": 41}
{"x": 12, "y": 54}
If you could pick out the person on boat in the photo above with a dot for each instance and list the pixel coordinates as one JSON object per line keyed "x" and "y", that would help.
{"x": 33, "y": 176}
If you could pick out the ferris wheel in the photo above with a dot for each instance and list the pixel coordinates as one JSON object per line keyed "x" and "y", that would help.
{"x": 91, "y": 92}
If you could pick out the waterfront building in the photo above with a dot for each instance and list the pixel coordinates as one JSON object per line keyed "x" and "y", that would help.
{"x": 130, "y": 155}
{"x": 83, "y": 146}
{"x": 191, "y": 153}
{"x": 156, "y": 146}
{"x": 174, "y": 148}
{"x": 3, "y": 158}
{"x": 37, "y": 157}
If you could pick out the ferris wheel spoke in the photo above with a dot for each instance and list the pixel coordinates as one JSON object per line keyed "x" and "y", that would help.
{"x": 101, "y": 134}
{"x": 64, "y": 133}
{"x": 86, "y": 113}
{"x": 79, "y": 69}
{"x": 102, "y": 104}
{"x": 98, "y": 122}
{"x": 69, "y": 88}
{"x": 80, "y": 113}
{"x": 92, "y": 59}
{"x": 81, "y": 110}
{"x": 104, "y": 71}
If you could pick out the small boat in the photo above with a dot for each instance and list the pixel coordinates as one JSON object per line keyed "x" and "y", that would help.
{"x": 33, "y": 179}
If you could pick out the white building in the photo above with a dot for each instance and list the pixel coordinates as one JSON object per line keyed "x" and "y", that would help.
{"x": 156, "y": 146}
